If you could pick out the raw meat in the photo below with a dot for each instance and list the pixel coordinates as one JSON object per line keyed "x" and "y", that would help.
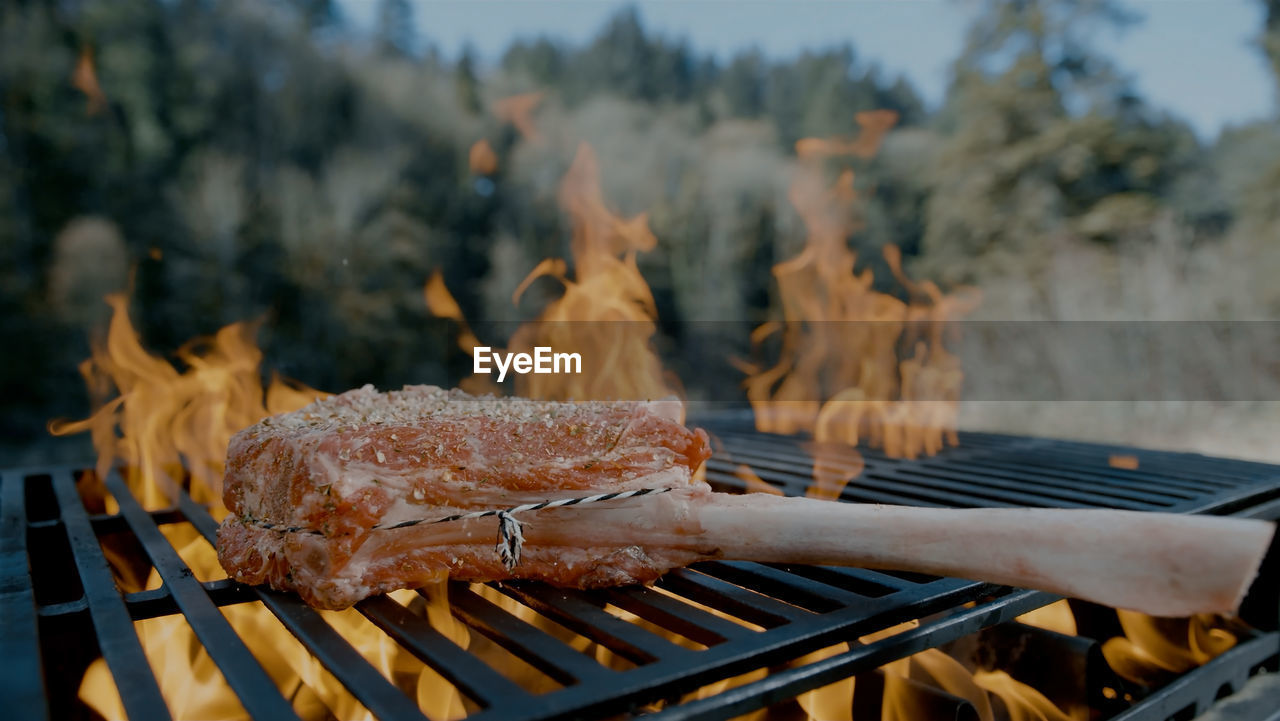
{"x": 344, "y": 464}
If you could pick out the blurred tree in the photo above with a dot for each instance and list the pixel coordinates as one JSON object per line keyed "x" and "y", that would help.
{"x": 675, "y": 71}
{"x": 620, "y": 60}
{"x": 743, "y": 84}
{"x": 541, "y": 60}
{"x": 395, "y": 32}
{"x": 818, "y": 94}
{"x": 1041, "y": 139}
{"x": 256, "y": 164}
{"x": 316, "y": 14}
{"x": 1271, "y": 35}
{"x": 1263, "y": 199}
{"x": 465, "y": 80}
{"x": 1248, "y": 163}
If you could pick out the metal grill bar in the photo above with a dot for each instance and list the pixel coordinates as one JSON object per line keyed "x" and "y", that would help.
{"x": 21, "y": 687}
{"x": 1175, "y": 483}
{"x": 1024, "y": 472}
{"x": 117, "y": 639}
{"x": 471, "y": 675}
{"x": 541, "y": 650}
{"x": 785, "y": 684}
{"x": 579, "y": 613}
{"x": 1142, "y": 493}
{"x": 794, "y": 482}
{"x": 1034, "y": 490}
{"x": 340, "y": 658}
{"x": 804, "y": 592}
{"x": 673, "y": 676}
{"x": 786, "y": 611}
{"x": 245, "y": 676}
{"x": 689, "y": 621}
{"x": 741, "y": 602}
{"x": 156, "y": 601}
{"x": 159, "y": 602}
{"x": 327, "y": 645}
{"x": 1198, "y": 691}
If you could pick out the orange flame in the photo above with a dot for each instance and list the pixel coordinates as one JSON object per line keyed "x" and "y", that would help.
{"x": 1151, "y": 649}
{"x": 875, "y": 124}
{"x": 839, "y": 375}
{"x": 936, "y": 669}
{"x": 1124, "y": 461}
{"x": 1022, "y": 703}
{"x": 1056, "y": 617}
{"x": 518, "y": 111}
{"x": 85, "y": 79}
{"x": 162, "y": 418}
{"x": 755, "y": 484}
{"x": 833, "y": 702}
{"x": 442, "y": 304}
{"x": 482, "y": 159}
{"x": 834, "y": 466}
{"x": 1154, "y": 648}
{"x": 607, "y": 313}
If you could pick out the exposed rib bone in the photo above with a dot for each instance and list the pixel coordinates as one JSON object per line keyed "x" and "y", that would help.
{"x": 1158, "y": 563}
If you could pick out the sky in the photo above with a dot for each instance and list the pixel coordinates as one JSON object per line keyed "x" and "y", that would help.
{"x": 1192, "y": 57}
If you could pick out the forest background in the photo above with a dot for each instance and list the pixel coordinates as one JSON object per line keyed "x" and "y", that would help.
{"x": 245, "y": 160}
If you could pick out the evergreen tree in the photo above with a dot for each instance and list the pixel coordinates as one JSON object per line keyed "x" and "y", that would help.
{"x": 620, "y": 60}
{"x": 395, "y": 32}
{"x": 541, "y": 61}
{"x": 743, "y": 84}
{"x": 1271, "y": 35}
{"x": 1253, "y": 153}
{"x": 316, "y": 14}
{"x": 1042, "y": 139}
{"x": 468, "y": 86}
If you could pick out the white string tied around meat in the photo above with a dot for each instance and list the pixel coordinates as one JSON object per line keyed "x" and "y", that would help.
{"x": 510, "y": 532}
{"x": 510, "y": 540}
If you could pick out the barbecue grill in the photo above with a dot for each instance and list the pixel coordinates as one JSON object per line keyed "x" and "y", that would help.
{"x": 62, "y": 609}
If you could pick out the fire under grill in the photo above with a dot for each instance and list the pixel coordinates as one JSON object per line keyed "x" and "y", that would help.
{"x": 61, "y": 607}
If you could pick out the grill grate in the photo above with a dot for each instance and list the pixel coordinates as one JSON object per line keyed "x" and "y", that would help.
{"x": 798, "y": 609}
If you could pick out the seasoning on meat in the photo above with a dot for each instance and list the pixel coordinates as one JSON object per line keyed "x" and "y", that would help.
{"x": 342, "y": 465}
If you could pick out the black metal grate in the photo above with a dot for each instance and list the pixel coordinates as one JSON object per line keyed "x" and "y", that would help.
{"x": 45, "y": 527}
